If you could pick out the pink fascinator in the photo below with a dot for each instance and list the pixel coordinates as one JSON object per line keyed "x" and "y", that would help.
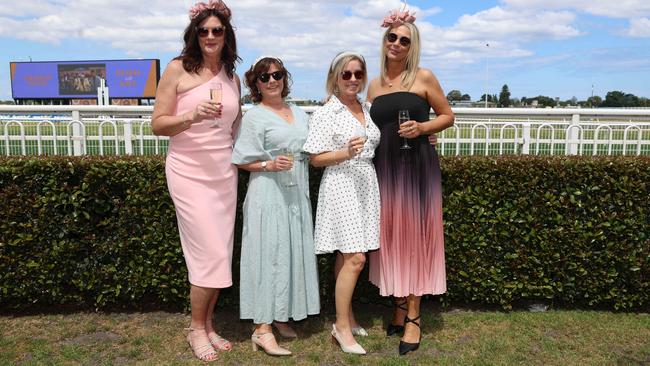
{"x": 397, "y": 17}
{"x": 217, "y": 5}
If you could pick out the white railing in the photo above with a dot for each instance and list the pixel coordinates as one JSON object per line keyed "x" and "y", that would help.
{"x": 126, "y": 130}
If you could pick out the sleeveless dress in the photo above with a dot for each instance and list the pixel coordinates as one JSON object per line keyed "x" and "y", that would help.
{"x": 347, "y": 215}
{"x": 203, "y": 185}
{"x": 411, "y": 258}
{"x": 278, "y": 270}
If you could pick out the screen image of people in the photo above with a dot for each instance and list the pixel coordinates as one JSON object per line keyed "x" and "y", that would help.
{"x": 77, "y": 79}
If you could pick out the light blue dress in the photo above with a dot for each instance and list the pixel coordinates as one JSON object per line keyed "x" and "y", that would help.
{"x": 278, "y": 271}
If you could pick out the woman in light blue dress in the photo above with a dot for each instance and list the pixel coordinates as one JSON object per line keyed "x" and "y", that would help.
{"x": 278, "y": 271}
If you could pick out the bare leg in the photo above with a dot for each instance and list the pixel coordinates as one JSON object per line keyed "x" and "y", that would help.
{"x": 398, "y": 314}
{"x": 338, "y": 264}
{"x": 200, "y": 298}
{"x": 412, "y": 331}
{"x": 209, "y": 327}
{"x": 219, "y": 343}
{"x": 346, "y": 280}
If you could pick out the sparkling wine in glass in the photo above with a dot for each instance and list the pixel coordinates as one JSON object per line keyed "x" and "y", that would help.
{"x": 288, "y": 152}
{"x": 360, "y": 131}
{"x": 403, "y": 116}
{"x": 215, "y": 96}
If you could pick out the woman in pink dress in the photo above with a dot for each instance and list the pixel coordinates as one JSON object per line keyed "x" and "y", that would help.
{"x": 411, "y": 259}
{"x": 197, "y": 105}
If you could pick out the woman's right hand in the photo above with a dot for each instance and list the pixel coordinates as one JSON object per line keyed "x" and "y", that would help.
{"x": 207, "y": 109}
{"x": 355, "y": 146}
{"x": 281, "y": 163}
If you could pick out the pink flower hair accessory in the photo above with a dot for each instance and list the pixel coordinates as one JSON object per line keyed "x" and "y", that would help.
{"x": 217, "y": 5}
{"x": 397, "y": 17}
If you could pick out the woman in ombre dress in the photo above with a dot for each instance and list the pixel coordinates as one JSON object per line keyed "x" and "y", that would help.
{"x": 200, "y": 177}
{"x": 411, "y": 259}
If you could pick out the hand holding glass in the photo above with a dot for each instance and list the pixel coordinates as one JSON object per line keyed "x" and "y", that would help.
{"x": 403, "y": 117}
{"x": 360, "y": 132}
{"x": 288, "y": 153}
{"x": 215, "y": 96}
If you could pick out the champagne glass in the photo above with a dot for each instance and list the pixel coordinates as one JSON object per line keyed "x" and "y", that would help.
{"x": 360, "y": 131}
{"x": 288, "y": 152}
{"x": 215, "y": 96}
{"x": 403, "y": 116}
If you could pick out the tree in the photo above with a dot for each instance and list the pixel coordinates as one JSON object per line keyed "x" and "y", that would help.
{"x": 620, "y": 99}
{"x": 454, "y": 95}
{"x": 504, "y": 96}
{"x": 465, "y": 97}
{"x": 595, "y": 101}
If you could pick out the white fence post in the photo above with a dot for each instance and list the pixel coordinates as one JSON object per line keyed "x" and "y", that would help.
{"x": 128, "y": 137}
{"x": 525, "y": 138}
{"x": 572, "y": 137}
{"x": 77, "y": 137}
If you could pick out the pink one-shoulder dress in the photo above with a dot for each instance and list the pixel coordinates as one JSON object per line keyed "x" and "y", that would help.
{"x": 203, "y": 185}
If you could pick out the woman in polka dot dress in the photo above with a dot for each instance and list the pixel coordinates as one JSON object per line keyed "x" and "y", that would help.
{"x": 343, "y": 138}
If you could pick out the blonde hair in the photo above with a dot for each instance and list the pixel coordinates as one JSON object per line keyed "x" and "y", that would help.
{"x": 338, "y": 64}
{"x": 412, "y": 58}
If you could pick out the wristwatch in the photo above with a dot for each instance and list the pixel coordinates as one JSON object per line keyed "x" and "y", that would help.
{"x": 264, "y": 163}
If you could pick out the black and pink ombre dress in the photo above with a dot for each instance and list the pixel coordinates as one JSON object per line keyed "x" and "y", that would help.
{"x": 411, "y": 258}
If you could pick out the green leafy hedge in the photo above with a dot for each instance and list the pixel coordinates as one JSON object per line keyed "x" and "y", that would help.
{"x": 101, "y": 232}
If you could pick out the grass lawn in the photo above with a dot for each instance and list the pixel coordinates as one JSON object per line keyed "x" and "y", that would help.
{"x": 456, "y": 337}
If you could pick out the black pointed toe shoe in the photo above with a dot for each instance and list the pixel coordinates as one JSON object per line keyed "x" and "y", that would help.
{"x": 406, "y": 347}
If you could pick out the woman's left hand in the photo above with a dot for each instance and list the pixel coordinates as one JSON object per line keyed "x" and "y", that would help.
{"x": 410, "y": 129}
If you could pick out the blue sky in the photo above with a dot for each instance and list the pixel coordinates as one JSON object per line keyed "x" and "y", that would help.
{"x": 553, "y": 47}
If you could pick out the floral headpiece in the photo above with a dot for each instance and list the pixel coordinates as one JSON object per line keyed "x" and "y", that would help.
{"x": 217, "y": 5}
{"x": 397, "y": 17}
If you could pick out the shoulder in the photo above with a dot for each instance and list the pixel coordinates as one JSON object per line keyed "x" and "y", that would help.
{"x": 373, "y": 88}
{"x": 426, "y": 76}
{"x": 175, "y": 67}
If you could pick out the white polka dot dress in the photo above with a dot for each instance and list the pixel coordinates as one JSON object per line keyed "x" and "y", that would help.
{"x": 347, "y": 215}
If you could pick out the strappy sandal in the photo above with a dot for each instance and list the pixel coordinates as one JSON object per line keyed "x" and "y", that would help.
{"x": 406, "y": 347}
{"x": 393, "y": 329}
{"x": 218, "y": 342}
{"x": 201, "y": 346}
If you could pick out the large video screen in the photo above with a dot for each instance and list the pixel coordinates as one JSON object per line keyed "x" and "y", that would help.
{"x": 80, "y": 79}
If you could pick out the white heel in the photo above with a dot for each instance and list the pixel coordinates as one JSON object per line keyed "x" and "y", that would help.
{"x": 263, "y": 339}
{"x": 355, "y": 349}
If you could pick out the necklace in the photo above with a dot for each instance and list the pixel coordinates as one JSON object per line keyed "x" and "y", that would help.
{"x": 390, "y": 81}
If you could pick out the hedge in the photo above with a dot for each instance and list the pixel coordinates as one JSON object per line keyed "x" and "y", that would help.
{"x": 100, "y": 232}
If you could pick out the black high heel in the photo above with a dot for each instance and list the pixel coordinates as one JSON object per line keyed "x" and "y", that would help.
{"x": 393, "y": 329}
{"x": 406, "y": 347}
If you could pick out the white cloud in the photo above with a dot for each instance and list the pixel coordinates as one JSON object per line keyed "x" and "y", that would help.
{"x": 607, "y": 8}
{"x": 306, "y": 34}
{"x": 639, "y": 28}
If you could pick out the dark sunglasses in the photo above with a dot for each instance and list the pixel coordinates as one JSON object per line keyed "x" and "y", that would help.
{"x": 347, "y": 75}
{"x": 265, "y": 77}
{"x": 217, "y": 32}
{"x": 404, "y": 41}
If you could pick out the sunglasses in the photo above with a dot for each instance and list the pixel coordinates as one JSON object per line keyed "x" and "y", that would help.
{"x": 265, "y": 77}
{"x": 404, "y": 41}
{"x": 347, "y": 75}
{"x": 217, "y": 32}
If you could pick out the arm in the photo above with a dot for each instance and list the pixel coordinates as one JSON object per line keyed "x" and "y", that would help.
{"x": 163, "y": 120}
{"x": 237, "y": 123}
{"x": 328, "y": 158}
{"x": 278, "y": 164}
{"x": 437, "y": 100}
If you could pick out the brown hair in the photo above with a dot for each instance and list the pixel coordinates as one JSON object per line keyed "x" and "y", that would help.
{"x": 260, "y": 67}
{"x": 191, "y": 55}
